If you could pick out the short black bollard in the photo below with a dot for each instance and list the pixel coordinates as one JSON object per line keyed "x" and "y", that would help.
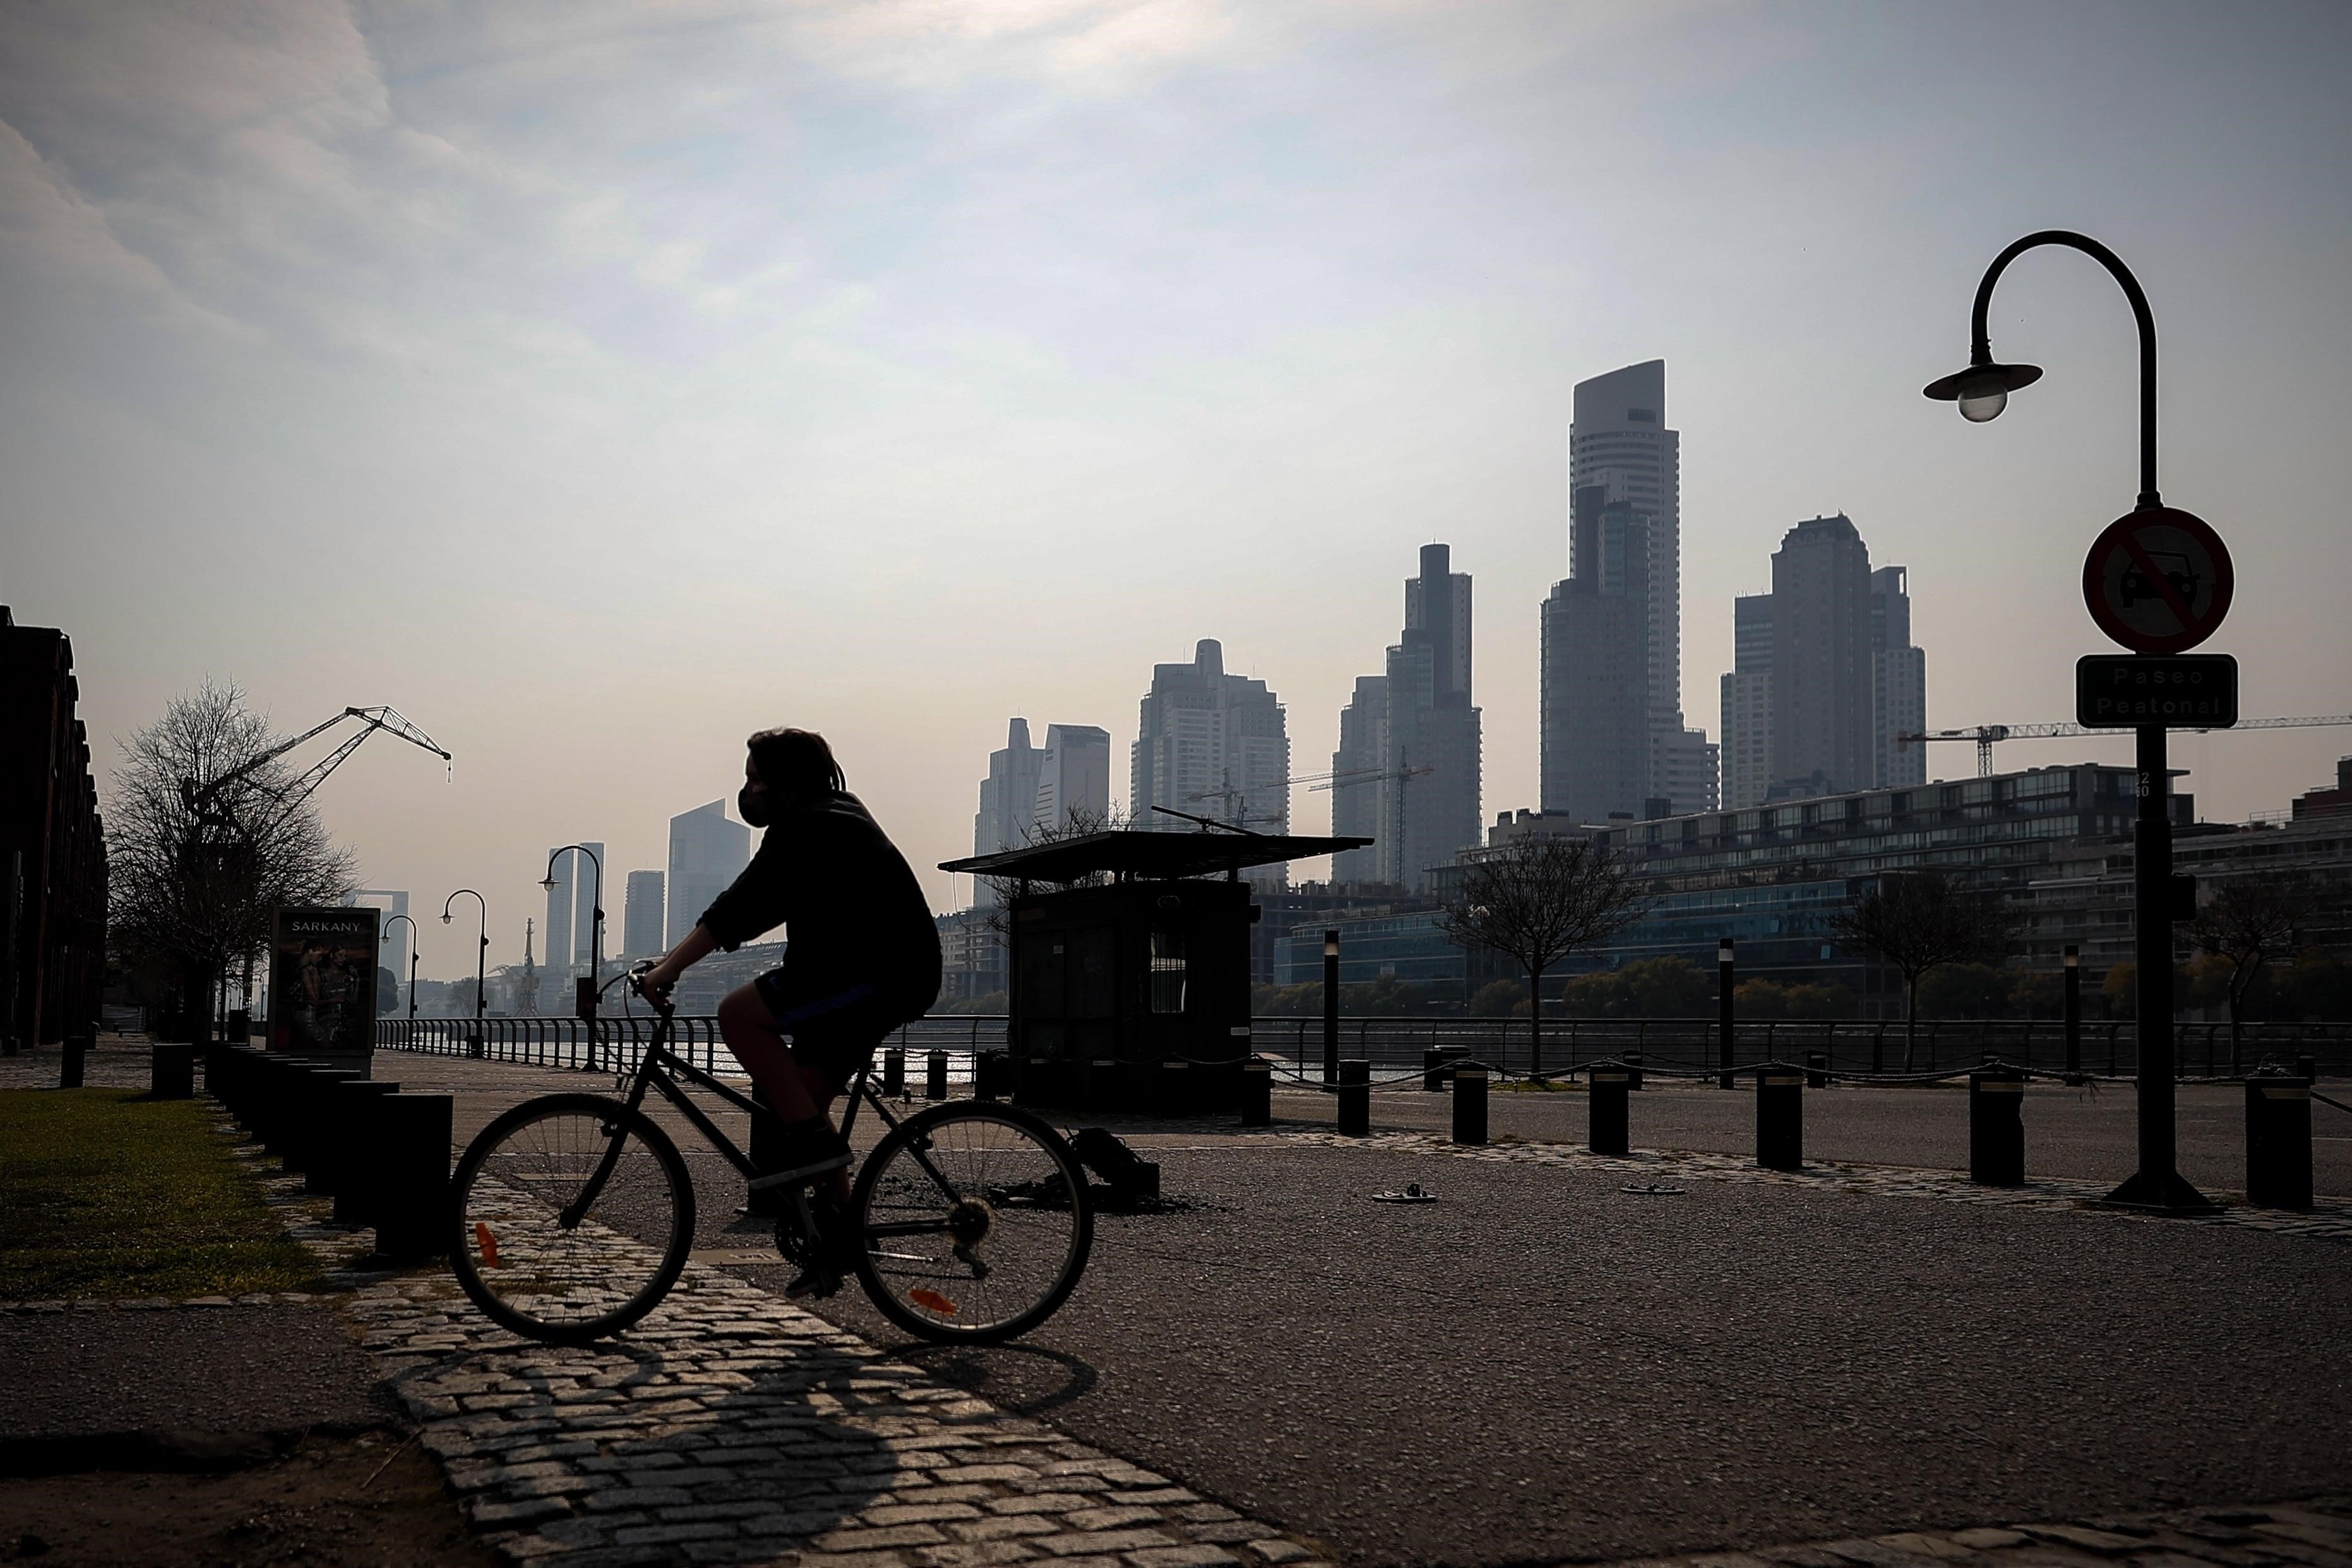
{"x": 1817, "y": 1070}
{"x": 240, "y": 1027}
{"x": 935, "y": 1075}
{"x": 894, "y": 1071}
{"x": 1098, "y": 1086}
{"x": 1433, "y": 1071}
{"x": 1779, "y": 1119}
{"x": 172, "y": 1072}
{"x": 317, "y": 1137}
{"x": 2278, "y": 1141}
{"x": 1178, "y": 1084}
{"x": 69, "y": 1062}
{"x": 1996, "y": 1127}
{"x": 1355, "y": 1099}
{"x": 350, "y": 1155}
{"x": 1257, "y": 1094}
{"x": 414, "y": 1220}
{"x": 990, "y": 1069}
{"x": 1607, "y": 1129}
{"x": 2307, "y": 1069}
{"x": 1470, "y": 1103}
{"x": 1632, "y": 1061}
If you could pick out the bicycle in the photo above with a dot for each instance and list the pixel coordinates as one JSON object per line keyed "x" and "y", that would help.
{"x": 971, "y": 1221}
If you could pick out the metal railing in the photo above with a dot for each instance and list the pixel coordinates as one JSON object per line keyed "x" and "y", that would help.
{"x": 1852, "y": 1046}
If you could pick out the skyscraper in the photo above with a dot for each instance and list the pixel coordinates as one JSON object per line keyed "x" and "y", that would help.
{"x": 1622, "y": 454}
{"x": 1824, "y": 741}
{"x": 1356, "y": 794}
{"x": 1073, "y": 777}
{"x": 1824, "y": 676}
{"x": 1747, "y": 718}
{"x": 1008, "y": 796}
{"x": 1898, "y": 681}
{"x": 559, "y": 916}
{"x": 1213, "y": 744}
{"x": 641, "y": 919}
{"x": 1420, "y": 805}
{"x": 707, "y": 851}
{"x": 1594, "y": 698}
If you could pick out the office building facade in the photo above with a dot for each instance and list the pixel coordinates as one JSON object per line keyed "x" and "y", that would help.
{"x": 1356, "y": 769}
{"x": 707, "y": 852}
{"x": 1420, "y": 803}
{"x": 1746, "y": 720}
{"x": 642, "y": 915}
{"x": 1212, "y": 745}
{"x": 1898, "y": 682}
{"x": 1072, "y": 777}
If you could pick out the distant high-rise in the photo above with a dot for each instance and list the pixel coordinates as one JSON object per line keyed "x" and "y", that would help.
{"x": 1356, "y": 794}
{"x": 707, "y": 851}
{"x": 1824, "y": 674}
{"x": 1594, "y": 697}
{"x": 1747, "y": 721}
{"x": 1072, "y": 777}
{"x": 1420, "y": 805}
{"x": 641, "y": 920}
{"x": 1622, "y": 456}
{"x": 559, "y": 914}
{"x": 588, "y": 883}
{"x": 1213, "y": 744}
{"x": 1898, "y": 681}
{"x": 1008, "y": 796}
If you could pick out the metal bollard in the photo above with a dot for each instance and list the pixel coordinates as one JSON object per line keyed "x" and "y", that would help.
{"x": 172, "y": 1072}
{"x": 1632, "y": 1061}
{"x": 1817, "y": 1070}
{"x": 1996, "y": 1127}
{"x": 1779, "y": 1119}
{"x": 240, "y": 1026}
{"x": 894, "y": 1071}
{"x": 1257, "y": 1094}
{"x": 1470, "y": 1103}
{"x": 990, "y": 1069}
{"x": 1607, "y": 1119}
{"x": 1098, "y": 1083}
{"x": 1177, "y": 1086}
{"x": 348, "y": 1157}
{"x": 69, "y": 1062}
{"x": 2307, "y": 1069}
{"x": 2278, "y": 1141}
{"x": 935, "y": 1075}
{"x": 316, "y": 1134}
{"x": 413, "y": 1216}
{"x": 1356, "y": 1099}
{"x": 1433, "y": 1071}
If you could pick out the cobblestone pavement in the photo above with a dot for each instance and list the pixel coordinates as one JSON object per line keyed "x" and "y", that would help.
{"x": 2317, "y": 1533}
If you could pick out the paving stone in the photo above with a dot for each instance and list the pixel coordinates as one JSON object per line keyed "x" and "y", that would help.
{"x": 864, "y": 1540}
{"x": 1278, "y": 1552}
{"x": 1987, "y": 1540}
{"x": 1182, "y": 1557}
{"x": 2105, "y": 1542}
{"x": 1006, "y": 1527}
{"x": 1104, "y": 1542}
{"x": 1109, "y": 1517}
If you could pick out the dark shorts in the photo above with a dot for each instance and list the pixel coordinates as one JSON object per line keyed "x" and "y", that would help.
{"x": 834, "y": 1030}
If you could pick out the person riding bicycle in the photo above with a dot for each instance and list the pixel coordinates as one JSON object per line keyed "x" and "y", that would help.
{"x": 862, "y": 955}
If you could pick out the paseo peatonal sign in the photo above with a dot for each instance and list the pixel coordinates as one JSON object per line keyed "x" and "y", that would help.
{"x": 2179, "y": 691}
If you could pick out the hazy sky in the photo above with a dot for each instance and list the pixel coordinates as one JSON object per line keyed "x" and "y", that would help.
{"x": 597, "y": 383}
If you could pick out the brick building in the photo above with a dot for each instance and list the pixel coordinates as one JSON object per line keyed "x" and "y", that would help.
{"x": 52, "y": 849}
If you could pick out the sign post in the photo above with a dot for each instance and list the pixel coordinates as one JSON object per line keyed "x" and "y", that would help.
{"x": 2158, "y": 581}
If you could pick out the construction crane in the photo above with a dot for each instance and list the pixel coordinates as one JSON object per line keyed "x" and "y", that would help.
{"x": 1985, "y": 734}
{"x": 205, "y": 799}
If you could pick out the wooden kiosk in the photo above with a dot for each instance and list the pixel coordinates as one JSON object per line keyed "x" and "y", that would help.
{"x": 1130, "y": 976}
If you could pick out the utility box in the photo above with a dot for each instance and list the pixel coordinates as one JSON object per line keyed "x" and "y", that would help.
{"x": 1130, "y": 964}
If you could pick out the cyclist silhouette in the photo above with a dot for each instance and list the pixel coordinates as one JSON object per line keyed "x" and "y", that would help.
{"x": 862, "y": 955}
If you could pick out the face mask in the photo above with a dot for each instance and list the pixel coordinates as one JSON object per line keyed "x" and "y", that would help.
{"x": 752, "y": 805}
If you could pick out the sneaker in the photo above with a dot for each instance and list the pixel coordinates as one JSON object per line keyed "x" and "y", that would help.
{"x": 809, "y": 1149}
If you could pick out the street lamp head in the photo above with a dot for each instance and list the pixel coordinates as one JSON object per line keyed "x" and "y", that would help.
{"x": 444, "y": 917}
{"x": 1982, "y": 390}
{"x": 550, "y": 883}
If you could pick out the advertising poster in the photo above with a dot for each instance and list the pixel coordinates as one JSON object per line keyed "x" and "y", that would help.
{"x": 322, "y": 981}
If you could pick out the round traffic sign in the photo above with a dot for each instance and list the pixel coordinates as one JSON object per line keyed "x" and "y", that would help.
{"x": 2158, "y": 581}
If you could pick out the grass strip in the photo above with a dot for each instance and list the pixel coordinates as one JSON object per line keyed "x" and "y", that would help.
{"x": 107, "y": 1195}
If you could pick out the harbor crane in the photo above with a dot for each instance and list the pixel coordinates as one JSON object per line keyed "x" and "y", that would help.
{"x": 206, "y": 798}
{"x": 1986, "y": 735}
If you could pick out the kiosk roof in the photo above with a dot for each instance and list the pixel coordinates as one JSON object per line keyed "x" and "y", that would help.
{"x": 1141, "y": 852}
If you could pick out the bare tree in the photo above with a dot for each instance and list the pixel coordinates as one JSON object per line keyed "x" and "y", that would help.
{"x": 1537, "y": 900}
{"x": 1919, "y": 921}
{"x": 195, "y": 866}
{"x": 2247, "y": 922}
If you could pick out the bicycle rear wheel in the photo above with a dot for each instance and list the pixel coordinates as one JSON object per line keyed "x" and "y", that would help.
{"x": 976, "y": 1223}
{"x": 574, "y": 1216}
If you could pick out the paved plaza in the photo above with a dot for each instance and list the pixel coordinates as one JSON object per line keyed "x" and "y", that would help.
{"x": 1865, "y": 1364}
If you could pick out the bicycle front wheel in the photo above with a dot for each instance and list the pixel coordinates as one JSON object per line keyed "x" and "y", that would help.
{"x": 574, "y": 1217}
{"x": 976, "y": 1223}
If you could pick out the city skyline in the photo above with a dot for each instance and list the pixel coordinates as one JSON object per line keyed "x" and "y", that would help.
{"x": 604, "y": 388}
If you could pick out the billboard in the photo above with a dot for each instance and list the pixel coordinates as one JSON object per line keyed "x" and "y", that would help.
{"x": 322, "y": 981}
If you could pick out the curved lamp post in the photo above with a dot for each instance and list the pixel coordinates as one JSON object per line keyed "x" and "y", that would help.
{"x": 596, "y": 910}
{"x": 481, "y": 956}
{"x": 412, "y": 962}
{"x": 1982, "y": 391}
